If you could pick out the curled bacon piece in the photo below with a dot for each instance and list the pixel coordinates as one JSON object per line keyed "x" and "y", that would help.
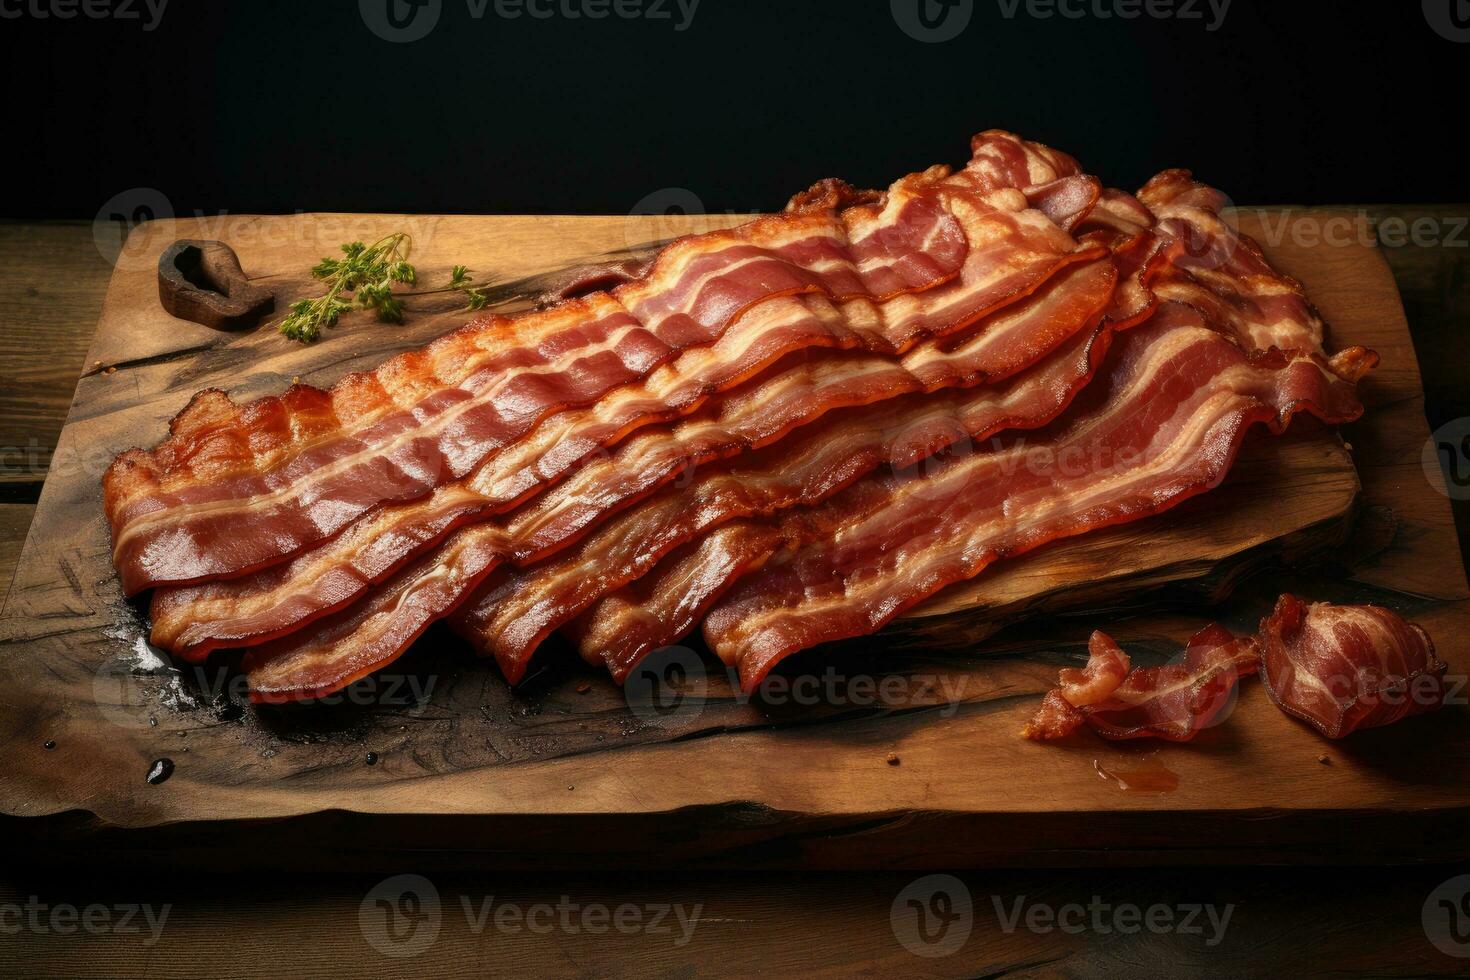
{"x": 1341, "y": 668}
{"x": 1173, "y": 702}
{"x": 1107, "y": 666}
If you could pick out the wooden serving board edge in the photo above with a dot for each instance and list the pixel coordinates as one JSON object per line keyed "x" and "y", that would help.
{"x": 803, "y": 833}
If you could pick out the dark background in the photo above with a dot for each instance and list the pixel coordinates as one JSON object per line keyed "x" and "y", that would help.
{"x": 270, "y": 105}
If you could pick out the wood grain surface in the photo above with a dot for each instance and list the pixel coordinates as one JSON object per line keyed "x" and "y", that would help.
{"x": 51, "y": 293}
{"x": 1361, "y": 923}
{"x": 548, "y": 762}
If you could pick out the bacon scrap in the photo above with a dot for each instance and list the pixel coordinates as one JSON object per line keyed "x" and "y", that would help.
{"x": 1055, "y": 718}
{"x": 1107, "y": 667}
{"x": 1173, "y": 702}
{"x": 1342, "y": 668}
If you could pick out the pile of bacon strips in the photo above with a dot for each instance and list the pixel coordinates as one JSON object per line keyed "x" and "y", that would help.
{"x": 789, "y": 432}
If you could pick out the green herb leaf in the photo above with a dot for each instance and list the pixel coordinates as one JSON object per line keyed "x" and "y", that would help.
{"x": 368, "y": 273}
{"x": 364, "y": 278}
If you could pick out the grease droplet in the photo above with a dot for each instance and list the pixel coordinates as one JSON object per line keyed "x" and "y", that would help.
{"x": 1148, "y": 776}
{"x": 160, "y": 771}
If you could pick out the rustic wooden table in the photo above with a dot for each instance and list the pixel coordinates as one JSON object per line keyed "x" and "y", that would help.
{"x": 1311, "y": 921}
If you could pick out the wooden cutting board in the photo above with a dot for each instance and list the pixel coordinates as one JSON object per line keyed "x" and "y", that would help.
{"x": 910, "y": 755}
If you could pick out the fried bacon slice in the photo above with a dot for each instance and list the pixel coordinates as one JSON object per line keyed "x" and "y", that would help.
{"x": 1173, "y": 702}
{"x": 381, "y": 625}
{"x": 1207, "y": 274}
{"x": 192, "y": 620}
{"x": 1342, "y": 668}
{"x": 523, "y": 607}
{"x": 658, "y": 609}
{"x": 807, "y": 467}
{"x": 805, "y": 471}
{"x": 238, "y": 487}
{"x": 1163, "y": 425}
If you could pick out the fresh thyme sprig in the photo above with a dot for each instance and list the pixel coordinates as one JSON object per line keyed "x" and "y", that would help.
{"x": 368, "y": 274}
{"x": 475, "y": 298}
